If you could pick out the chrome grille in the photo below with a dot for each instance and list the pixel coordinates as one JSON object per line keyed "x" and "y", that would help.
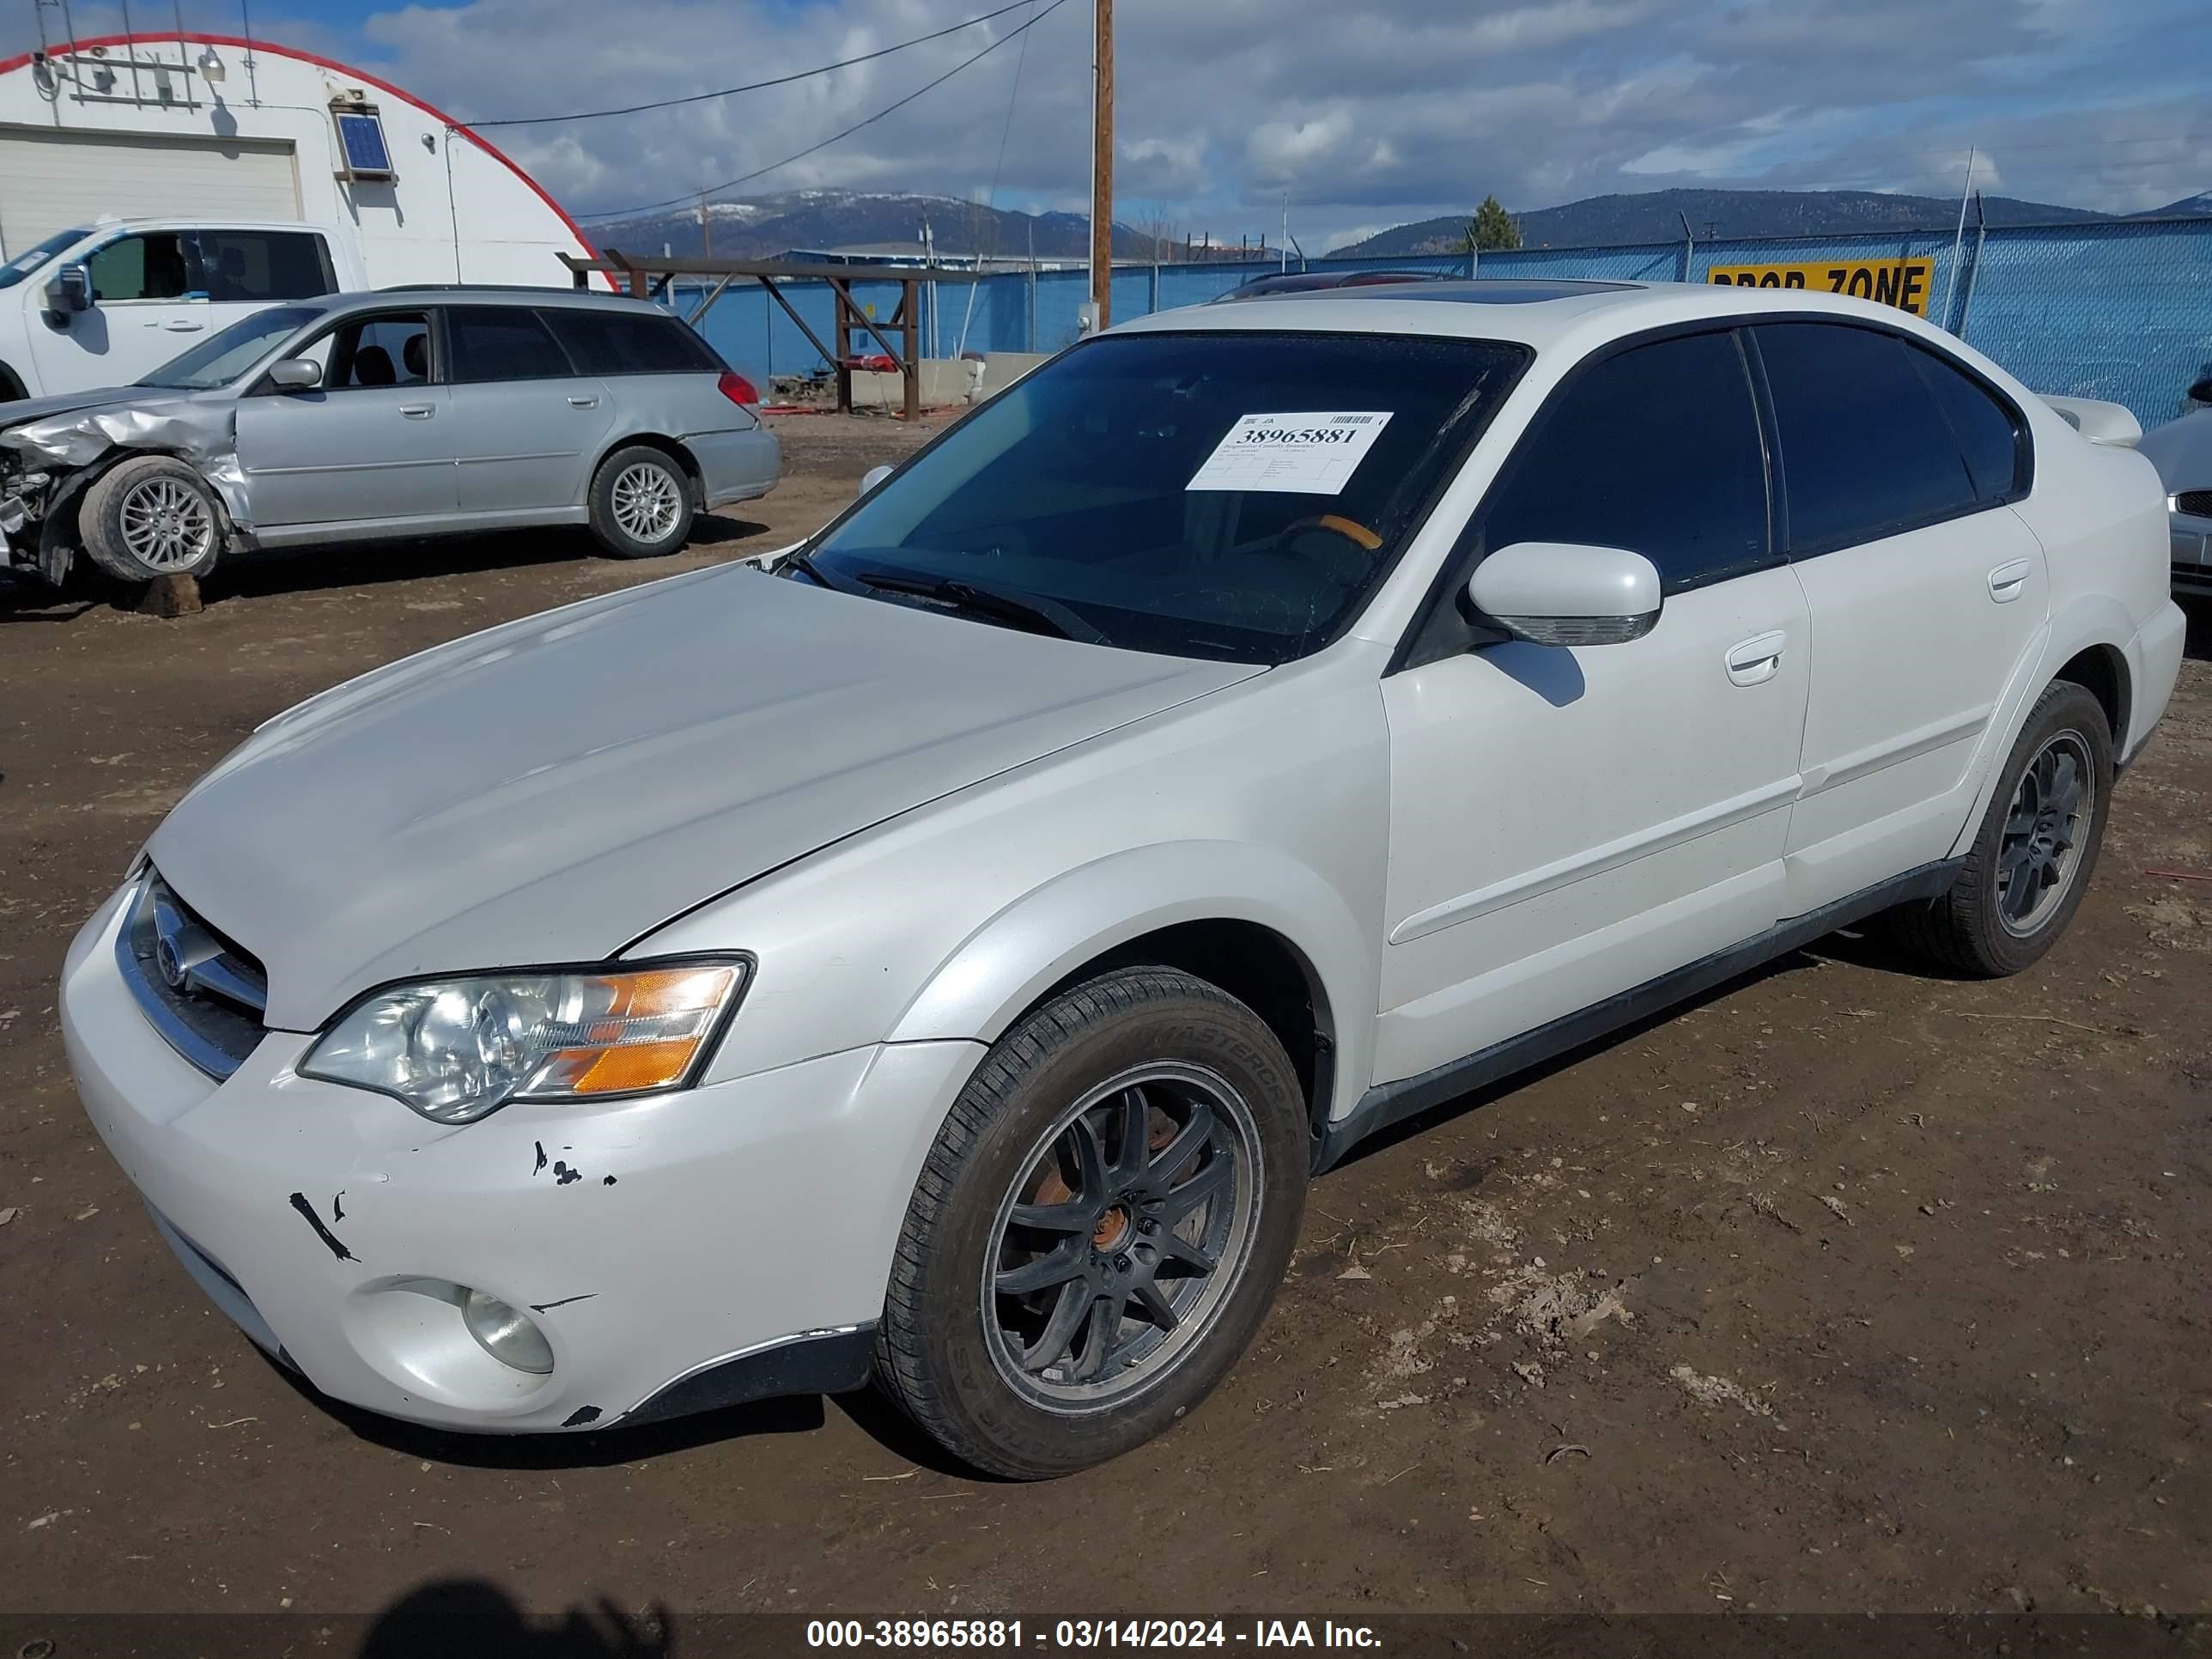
{"x": 2196, "y": 503}
{"x": 202, "y": 993}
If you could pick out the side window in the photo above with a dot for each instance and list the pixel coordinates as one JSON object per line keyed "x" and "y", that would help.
{"x": 150, "y": 267}
{"x": 502, "y": 343}
{"x": 1866, "y": 452}
{"x": 255, "y": 266}
{"x": 1656, "y": 450}
{"x": 393, "y": 350}
{"x": 1988, "y": 433}
{"x": 629, "y": 343}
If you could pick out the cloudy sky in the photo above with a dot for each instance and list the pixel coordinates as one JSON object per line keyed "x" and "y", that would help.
{"x": 1363, "y": 115}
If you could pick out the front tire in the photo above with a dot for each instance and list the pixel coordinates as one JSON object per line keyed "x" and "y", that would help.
{"x": 2030, "y": 864}
{"x": 1100, "y": 1227}
{"x": 641, "y": 503}
{"x": 149, "y": 517}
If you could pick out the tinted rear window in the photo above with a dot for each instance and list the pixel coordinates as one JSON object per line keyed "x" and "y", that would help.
{"x": 1988, "y": 431}
{"x": 502, "y": 343}
{"x": 630, "y": 343}
{"x": 1865, "y": 450}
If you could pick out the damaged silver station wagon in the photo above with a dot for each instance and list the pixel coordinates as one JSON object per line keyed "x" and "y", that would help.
{"x": 403, "y": 413}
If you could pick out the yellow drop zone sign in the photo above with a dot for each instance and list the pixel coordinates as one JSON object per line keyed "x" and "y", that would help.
{"x": 1901, "y": 282}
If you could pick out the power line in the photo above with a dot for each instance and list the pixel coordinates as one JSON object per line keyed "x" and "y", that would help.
{"x": 891, "y": 109}
{"x": 751, "y": 86}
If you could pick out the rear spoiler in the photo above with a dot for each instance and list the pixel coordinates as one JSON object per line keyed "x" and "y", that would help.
{"x": 2099, "y": 423}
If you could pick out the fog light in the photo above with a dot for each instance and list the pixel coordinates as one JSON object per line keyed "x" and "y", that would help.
{"x": 506, "y": 1334}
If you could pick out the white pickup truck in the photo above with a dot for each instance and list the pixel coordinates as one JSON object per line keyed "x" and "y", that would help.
{"x": 102, "y": 303}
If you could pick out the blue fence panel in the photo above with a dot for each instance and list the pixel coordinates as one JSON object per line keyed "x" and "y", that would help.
{"x": 2120, "y": 311}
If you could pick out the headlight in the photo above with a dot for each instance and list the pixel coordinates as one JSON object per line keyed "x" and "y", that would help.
{"x": 455, "y": 1049}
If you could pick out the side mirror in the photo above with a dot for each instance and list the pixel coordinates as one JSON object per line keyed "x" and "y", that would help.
{"x": 70, "y": 291}
{"x": 872, "y": 478}
{"x": 295, "y": 374}
{"x": 1563, "y": 593}
{"x": 2202, "y": 392}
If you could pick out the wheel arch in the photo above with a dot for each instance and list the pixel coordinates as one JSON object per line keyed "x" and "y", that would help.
{"x": 2089, "y": 636}
{"x": 12, "y": 388}
{"x": 673, "y": 449}
{"x": 1266, "y": 929}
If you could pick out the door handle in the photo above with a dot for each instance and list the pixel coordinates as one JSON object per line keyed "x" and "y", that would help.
{"x": 183, "y": 326}
{"x": 419, "y": 411}
{"x": 2008, "y": 582}
{"x": 583, "y": 403}
{"x": 1756, "y": 659}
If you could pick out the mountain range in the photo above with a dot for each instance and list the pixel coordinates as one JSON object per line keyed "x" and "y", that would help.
{"x": 759, "y": 227}
{"x": 764, "y": 226}
{"x": 1657, "y": 217}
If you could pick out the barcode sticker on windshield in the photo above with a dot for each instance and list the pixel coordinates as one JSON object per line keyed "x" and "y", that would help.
{"x": 1310, "y": 454}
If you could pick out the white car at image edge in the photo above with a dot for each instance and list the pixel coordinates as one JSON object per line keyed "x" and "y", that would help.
{"x": 947, "y": 958}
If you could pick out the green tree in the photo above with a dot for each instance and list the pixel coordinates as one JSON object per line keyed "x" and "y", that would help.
{"x": 1491, "y": 229}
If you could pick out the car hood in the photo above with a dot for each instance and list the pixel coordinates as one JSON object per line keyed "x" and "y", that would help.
{"x": 554, "y": 789}
{"x": 2182, "y": 451}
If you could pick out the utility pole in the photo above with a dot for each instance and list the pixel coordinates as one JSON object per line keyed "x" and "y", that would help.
{"x": 1101, "y": 161}
{"x": 706, "y": 227}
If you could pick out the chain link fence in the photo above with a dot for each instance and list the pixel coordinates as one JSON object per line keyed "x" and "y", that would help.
{"x": 2121, "y": 311}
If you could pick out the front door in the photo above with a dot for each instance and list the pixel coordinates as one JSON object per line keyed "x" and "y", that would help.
{"x": 1567, "y": 823}
{"x": 372, "y": 448}
{"x": 148, "y": 308}
{"x": 1928, "y": 592}
{"x": 529, "y": 427}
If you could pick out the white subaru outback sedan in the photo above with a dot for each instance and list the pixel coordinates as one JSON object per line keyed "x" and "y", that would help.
{"x": 948, "y": 958}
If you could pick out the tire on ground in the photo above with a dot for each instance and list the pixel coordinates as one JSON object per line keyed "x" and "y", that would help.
{"x": 100, "y": 517}
{"x": 934, "y": 1355}
{"x": 1962, "y": 930}
{"x": 606, "y": 517}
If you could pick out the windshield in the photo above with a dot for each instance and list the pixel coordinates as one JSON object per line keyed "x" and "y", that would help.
{"x": 222, "y": 357}
{"x": 15, "y": 270}
{"x": 1230, "y": 495}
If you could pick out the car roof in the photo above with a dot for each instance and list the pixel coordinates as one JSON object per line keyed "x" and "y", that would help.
{"x": 432, "y": 294}
{"x": 1544, "y": 314}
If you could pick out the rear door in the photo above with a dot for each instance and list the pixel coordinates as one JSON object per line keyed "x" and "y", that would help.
{"x": 242, "y": 270}
{"x": 370, "y": 449}
{"x": 1567, "y": 823}
{"x": 1928, "y": 592}
{"x": 528, "y": 425}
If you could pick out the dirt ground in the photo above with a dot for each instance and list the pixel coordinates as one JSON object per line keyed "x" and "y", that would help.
{"x": 1847, "y": 1288}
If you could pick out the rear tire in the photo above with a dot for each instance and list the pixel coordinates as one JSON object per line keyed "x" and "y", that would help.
{"x": 1100, "y": 1227}
{"x": 149, "y": 517}
{"x": 641, "y": 503}
{"x": 2031, "y": 862}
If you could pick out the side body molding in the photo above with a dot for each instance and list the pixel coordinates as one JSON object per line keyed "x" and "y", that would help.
{"x": 1010, "y": 961}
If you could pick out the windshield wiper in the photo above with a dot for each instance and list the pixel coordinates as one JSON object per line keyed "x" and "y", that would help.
{"x": 1033, "y": 611}
{"x": 806, "y": 566}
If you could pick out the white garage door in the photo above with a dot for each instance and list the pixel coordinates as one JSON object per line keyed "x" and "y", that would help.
{"x": 51, "y": 180}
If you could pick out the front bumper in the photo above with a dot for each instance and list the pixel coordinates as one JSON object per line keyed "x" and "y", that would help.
{"x": 655, "y": 1241}
{"x": 2192, "y": 552}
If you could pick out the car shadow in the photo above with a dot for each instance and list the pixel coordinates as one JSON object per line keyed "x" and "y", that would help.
{"x": 2198, "y": 648}
{"x": 1861, "y": 947}
{"x": 358, "y": 564}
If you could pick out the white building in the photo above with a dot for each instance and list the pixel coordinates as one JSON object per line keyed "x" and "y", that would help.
{"x": 221, "y": 126}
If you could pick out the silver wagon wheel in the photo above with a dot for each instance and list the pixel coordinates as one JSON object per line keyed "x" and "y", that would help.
{"x": 166, "y": 524}
{"x": 647, "y": 502}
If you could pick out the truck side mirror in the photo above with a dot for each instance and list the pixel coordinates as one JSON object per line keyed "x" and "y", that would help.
{"x": 70, "y": 291}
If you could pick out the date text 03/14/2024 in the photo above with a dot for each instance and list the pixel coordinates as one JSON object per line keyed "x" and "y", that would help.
{"x": 1015, "y": 1635}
